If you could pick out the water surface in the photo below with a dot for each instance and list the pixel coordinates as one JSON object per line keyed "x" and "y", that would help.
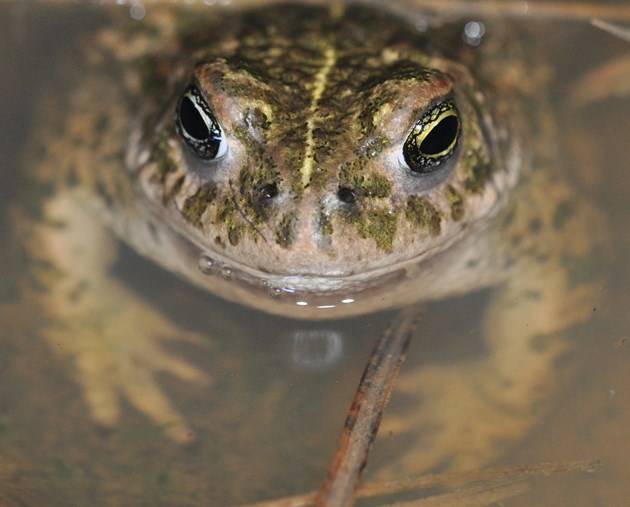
{"x": 271, "y": 419}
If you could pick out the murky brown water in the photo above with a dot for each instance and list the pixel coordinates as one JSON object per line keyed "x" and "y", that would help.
{"x": 270, "y": 421}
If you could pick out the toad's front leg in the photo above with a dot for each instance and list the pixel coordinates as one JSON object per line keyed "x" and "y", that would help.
{"x": 115, "y": 338}
{"x": 467, "y": 412}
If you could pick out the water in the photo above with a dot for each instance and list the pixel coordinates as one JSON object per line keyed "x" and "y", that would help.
{"x": 270, "y": 420}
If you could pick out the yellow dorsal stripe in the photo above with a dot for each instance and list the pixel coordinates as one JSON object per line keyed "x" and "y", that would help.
{"x": 321, "y": 79}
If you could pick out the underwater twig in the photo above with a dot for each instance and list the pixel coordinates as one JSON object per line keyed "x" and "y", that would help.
{"x": 480, "y": 495}
{"x": 471, "y": 476}
{"x": 492, "y": 485}
{"x": 620, "y": 31}
{"x": 366, "y": 410}
{"x": 584, "y": 11}
{"x": 581, "y": 11}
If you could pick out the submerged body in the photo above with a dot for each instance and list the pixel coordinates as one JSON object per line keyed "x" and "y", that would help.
{"x": 315, "y": 162}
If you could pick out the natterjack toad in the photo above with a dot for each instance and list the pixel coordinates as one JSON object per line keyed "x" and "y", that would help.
{"x": 315, "y": 162}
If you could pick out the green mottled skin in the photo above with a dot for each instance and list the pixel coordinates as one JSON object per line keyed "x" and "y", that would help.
{"x": 322, "y": 105}
{"x": 316, "y": 104}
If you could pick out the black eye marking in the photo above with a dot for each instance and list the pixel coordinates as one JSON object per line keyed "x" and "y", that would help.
{"x": 198, "y": 127}
{"x": 433, "y": 140}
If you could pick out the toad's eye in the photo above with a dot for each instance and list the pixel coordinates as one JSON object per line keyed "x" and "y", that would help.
{"x": 198, "y": 127}
{"x": 433, "y": 139}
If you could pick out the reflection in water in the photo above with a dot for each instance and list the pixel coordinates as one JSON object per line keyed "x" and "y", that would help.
{"x": 316, "y": 349}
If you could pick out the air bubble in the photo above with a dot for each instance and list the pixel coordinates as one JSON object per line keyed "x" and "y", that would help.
{"x": 275, "y": 292}
{"x": 422, "y": 25}
{"x": 137, "y": 11}
{"x": 207, "y": 264}
{"x": 473, "y": 33}
{"x": 227, "y": 273}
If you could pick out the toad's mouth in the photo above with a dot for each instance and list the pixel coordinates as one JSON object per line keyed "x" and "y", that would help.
{"x": 296, "y": 284}
{"x": 298, "y": 294}
{"x": 293, "y": 280}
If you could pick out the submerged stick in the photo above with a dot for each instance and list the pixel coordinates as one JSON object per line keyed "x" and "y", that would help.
{"x": 576, "y": 11}
{"x": 366, "y": 410}
{"x": 497, "y": 480}
{"x": 450, "y": 479}
{"x": 472, "y": 496}
{"x": 540, "y": 9}
{"x": 616, "y": 30}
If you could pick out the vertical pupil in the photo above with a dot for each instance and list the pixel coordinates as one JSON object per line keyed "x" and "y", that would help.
{"x": 191, "y": 120}
{"x": 441, "y": 136}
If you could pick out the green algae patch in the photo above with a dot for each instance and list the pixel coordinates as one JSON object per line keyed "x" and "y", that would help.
{"x": 229, "y": 216}
{"x": 251, "y": 184}
{"x": 196, "y": 205}
{"x": 477, "y": 170}
{"x": 371, "y": 185}
{"x": 377, "y": 224}
{"x": 161, "y": 156}
{"x": 456, "y": 203}
{"x": 284, "y": 231}
{"x": 422, "y": 213}
{"x": 325, "y": 223}
{"x": 254, "y": 148}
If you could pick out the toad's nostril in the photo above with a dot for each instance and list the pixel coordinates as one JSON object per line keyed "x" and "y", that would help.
{"x": 269, "y": 191}
{"x": 346, "y": 195}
